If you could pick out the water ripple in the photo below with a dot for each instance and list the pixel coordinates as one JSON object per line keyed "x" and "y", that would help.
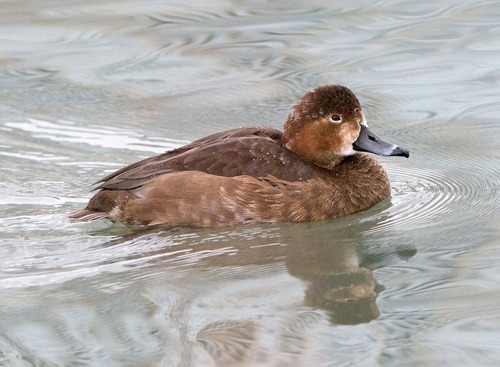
{"x": 423, "y": 198}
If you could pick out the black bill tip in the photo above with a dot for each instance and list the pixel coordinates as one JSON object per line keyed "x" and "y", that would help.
{"x": 401, "y": 152}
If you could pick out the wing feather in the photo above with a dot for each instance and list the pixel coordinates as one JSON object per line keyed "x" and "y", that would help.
{"x": 251, "y": 151}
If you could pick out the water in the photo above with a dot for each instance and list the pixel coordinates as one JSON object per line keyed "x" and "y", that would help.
{"x": 91, "y": 86}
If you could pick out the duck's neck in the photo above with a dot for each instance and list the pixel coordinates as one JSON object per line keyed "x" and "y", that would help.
{"x": 332, "y": 163}
{"x": 313, "y": 156}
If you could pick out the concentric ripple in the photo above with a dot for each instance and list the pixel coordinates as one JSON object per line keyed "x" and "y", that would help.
{"x": 429, "y": 198}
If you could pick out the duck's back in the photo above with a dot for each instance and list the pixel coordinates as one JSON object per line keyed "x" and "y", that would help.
{"x": 256, "y": 152}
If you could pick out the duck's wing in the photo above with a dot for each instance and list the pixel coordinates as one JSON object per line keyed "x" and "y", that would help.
{"x": 251, "y": 151}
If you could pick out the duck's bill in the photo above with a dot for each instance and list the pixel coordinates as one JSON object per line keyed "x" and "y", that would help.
{"x": 370, "y": 142}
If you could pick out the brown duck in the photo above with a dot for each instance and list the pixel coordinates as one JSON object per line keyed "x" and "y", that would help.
{"x": 313, "y": 170}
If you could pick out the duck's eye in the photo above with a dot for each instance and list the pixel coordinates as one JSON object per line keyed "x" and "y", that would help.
{"x": 335, "y": 118}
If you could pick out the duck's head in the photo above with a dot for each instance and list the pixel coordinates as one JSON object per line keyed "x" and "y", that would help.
{"x": 328, "y": 124}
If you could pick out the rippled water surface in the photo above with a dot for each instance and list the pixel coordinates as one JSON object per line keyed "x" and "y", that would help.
{"x": 88, "y": 86}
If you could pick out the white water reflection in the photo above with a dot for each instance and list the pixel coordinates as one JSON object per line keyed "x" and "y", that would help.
{"x": 105, "y": 137}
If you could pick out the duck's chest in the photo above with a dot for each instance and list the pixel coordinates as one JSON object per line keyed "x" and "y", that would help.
{"x": 357, "y": 184}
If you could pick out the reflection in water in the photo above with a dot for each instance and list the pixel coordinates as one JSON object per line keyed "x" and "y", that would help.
{"x": 179, "y": 292}
{"x": 337, "y": 274}
{"x": 349, "y": 297}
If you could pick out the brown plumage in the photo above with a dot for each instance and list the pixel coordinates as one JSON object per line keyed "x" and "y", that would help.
{"x": 309, "y": 172}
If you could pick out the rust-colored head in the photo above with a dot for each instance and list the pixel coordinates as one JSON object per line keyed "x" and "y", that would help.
{"x": 327, "y": 124}
{"x": 324, "y": 124}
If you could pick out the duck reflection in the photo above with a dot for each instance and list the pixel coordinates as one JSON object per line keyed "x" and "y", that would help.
{"x": 241, "y": 296}
{"x": 335, "y": 261}
{"x": 335, "y": 280}
{"x": 339, "y": 273}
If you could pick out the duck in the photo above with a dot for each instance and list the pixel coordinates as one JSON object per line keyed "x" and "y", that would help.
{"x": 317, "y": 168}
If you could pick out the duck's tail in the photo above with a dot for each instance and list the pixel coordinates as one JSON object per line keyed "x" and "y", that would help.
{"x": 86, "y": 215}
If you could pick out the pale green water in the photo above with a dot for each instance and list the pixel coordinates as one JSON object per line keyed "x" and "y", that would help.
{"x": 90, "y": 86}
